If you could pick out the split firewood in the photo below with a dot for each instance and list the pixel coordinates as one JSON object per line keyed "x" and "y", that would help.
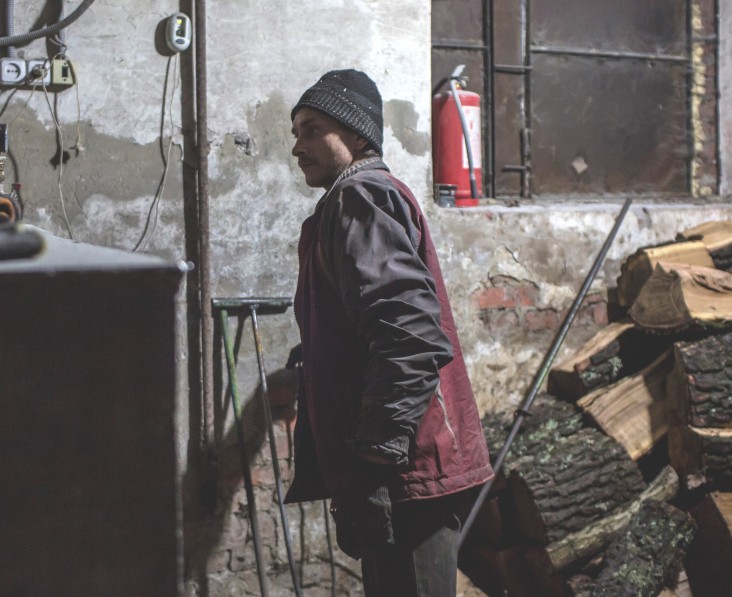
{"x": 649, "y": 554}
{"x": 595, "y": 537}
{"x": 701, "y": 455}
{"x": 717, "y": 238}
{"x": 700, "y": 386}
{"x": 569, "y": 482}
{"x": 634, "y": 411}
{"x": 616, "y": 351}
{"x": 709, "y": 557}
{"x": 678, "y": 296}
{"x": 637, "y": 268}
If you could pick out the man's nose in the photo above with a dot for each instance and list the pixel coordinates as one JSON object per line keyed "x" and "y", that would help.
{"x": 297, "y": 148}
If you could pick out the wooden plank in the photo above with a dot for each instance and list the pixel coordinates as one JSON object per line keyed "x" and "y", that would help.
{"x": 634, "y": 411}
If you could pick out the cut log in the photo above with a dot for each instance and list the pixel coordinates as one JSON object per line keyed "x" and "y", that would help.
{"x": 700, "y": 386}
{"x": 634, "y": 411}
{"x": 678, "y": 296}
{"x": 568, "y": 482}
{"x": 710, "y": 554}
{"x": 637, "y": 268}
{"x": 616, "y": 351}
{"x": 499, "y": 572}
{"x": 594, "y": 538}
{"x": 717, "y": 238}
{"x": 701, "y": 455}
{"x": 649, "y": 554}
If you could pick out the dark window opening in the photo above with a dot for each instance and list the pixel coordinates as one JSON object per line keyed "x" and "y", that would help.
{"x": 584, "y": 97}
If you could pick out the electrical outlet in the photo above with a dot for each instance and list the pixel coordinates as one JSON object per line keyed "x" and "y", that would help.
{"x": 61, "y": 72}
{"x": 12, "y": 71}
{"x": 39, "y": 72}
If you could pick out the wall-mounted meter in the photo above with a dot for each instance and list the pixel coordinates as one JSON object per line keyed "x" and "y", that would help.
{"x": 178, "y": 32}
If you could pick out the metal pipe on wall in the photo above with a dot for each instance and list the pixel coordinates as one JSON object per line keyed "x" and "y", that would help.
{"x": 204, "y": 243}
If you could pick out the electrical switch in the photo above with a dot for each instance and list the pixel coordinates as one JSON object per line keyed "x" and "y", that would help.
{"x": 61, "y": 72}
{"x": 12, "y": 71}
{"x": 39, "y": 72}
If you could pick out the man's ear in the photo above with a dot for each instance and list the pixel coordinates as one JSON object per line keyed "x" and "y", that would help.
{"x": 361, "y": 143}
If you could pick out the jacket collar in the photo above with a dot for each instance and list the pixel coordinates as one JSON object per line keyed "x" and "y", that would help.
{"x": 372, "y": 163}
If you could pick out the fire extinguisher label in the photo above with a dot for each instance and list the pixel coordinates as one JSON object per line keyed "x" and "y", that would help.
{"x": 472, "y": 118}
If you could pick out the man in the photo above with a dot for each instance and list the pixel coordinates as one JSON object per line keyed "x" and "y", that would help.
{"x": 387, "y": 424}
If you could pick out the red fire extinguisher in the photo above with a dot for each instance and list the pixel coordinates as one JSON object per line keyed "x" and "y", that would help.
{"x": 456, "y": 139}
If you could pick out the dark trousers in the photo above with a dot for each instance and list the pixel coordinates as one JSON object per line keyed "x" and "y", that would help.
{"x": 423, "y": 560}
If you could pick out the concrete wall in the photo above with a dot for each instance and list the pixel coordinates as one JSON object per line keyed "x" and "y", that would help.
{"x": 511, "y": 271}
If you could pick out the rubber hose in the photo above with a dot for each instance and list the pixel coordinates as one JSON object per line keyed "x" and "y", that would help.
{"x": 24, "y": 38}
{"x": 10, "y": 20}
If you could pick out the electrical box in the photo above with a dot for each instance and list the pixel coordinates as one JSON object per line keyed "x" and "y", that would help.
{"x": 61, "y": 72}
{"x": 12, "y": 71}
{"x": 178, "y": 32}
{"x": 39, "y": 72}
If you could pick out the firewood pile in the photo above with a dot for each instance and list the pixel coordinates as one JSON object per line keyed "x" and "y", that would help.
{"x": 620, "y": 480}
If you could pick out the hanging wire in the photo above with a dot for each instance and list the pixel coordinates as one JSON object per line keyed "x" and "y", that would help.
{"x": 153, "y": 213}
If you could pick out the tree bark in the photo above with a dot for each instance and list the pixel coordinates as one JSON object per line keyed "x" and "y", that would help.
{"x": 570, "y": 482}
{"x": 701, "y": 383}
{"x": 592, "y": 539}
{"x": 649, "y": 554}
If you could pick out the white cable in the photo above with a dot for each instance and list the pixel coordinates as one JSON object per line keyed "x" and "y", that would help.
{"x": 153, "y": 212}
{"x": 61, "y": 155}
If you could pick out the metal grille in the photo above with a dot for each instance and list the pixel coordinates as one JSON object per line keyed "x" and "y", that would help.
{"x": 579, "y": 96}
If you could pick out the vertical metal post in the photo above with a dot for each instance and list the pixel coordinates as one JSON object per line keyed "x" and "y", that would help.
{"x": 488, "y": 87}
{"x": 690, "y": 96}
{"x": 246, "y": 470}
{"x": 526, "y": 100}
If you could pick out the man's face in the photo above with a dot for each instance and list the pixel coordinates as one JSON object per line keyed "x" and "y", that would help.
{"x": 323, "y": 147}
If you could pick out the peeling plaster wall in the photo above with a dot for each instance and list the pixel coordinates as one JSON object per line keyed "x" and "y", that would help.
{"x": 511, "y": 271}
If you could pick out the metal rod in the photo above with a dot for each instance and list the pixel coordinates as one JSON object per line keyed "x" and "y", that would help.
{"x": 567, "y": 51}
{"x": 456, "y": 44}
{"x": 489, "y": 91}
{"x": 246, "y": 469}
{"x": 511, "y": 69}
{"x": 273, "y": 448}
{"x": 526, "y": 178}
{"x": 204, "y": 244}
{"x": 523, "y": 411}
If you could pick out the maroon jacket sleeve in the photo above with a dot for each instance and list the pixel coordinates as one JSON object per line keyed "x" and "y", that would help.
{"x": 389, "y": 295}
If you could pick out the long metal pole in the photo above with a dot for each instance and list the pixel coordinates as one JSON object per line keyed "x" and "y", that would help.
{"x": 273, "y": 449}
{"x": 246, "y": 469}
{"x": 204, "y": 246}
{"x": 523, "y": 411}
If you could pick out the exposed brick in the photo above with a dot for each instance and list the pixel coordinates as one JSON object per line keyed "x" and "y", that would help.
{"x": 502, "y": 322}
{"x": 506, "y": 297}
{"x": 599, "y": 313}
{"x": 496, "y": 297}
{"x": 527, "y": 295}
{"x": 536, "y": 320}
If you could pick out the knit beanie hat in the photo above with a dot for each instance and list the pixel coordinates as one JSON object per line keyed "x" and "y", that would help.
{"x": 350, "y": 97}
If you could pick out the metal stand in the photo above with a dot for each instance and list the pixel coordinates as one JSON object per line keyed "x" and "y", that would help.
{"x": 251, "y": 306}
